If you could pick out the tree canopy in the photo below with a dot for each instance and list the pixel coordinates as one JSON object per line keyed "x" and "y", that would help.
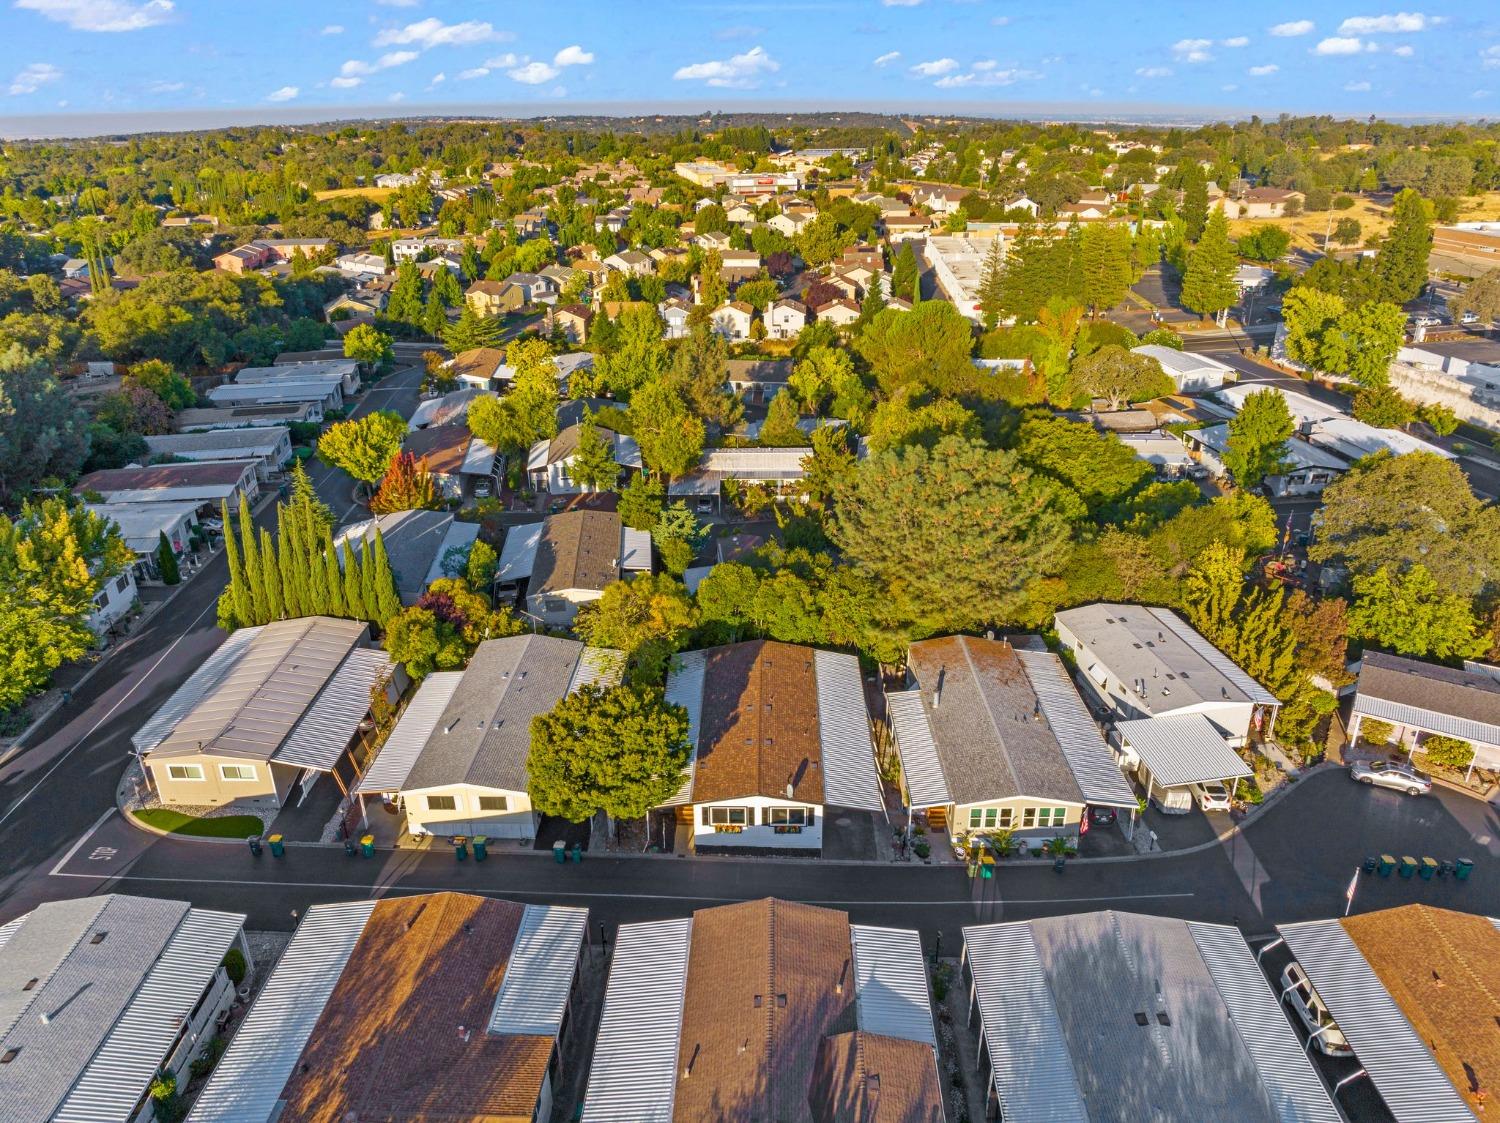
{"x": 365, "y": 446}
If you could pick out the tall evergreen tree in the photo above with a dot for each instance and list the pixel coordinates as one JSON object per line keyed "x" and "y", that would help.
{"x": 1208, "y": 288}
{"x": 234, "y": 601}
{"x": 271, "y": 571}
{"x": 254, "y": 578}
{"x": 331, "y": 585}
{"x": 387, "y": 603}
{"x": 905, "y": 275}
{"x": 369, "y": 595}
{"x": 1105, "y": 251}
{"x": 992, "y": 286}
{"x": 1194, "y": 200}
{"x": 292, "y": 564}
{"x": 354, "y": 599}
{"x": 1401, "y": 263}
{"x": 166, "y": 560}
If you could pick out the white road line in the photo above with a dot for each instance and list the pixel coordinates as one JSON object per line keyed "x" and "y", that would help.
{"x": 212, "y": 605}
{"x": 68, "y": 857}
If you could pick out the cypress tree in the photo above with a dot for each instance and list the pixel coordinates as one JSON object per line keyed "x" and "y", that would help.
{"x": 233, "y": 612}
{"x": 331, "y": 585}
{"x": 387, "y": 603}
{"x": 315, "y": 585}
{"x": 290, "y": 567}
{"x": 166, "y": 560}
{"x": 369, "y": 598}
{"x": 354, "y": 599}
{"x": 254, "y": 578}
{"x": 275, "y": 604}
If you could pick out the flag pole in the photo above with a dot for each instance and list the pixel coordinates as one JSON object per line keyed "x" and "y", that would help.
{"x": 1349, "y": 893}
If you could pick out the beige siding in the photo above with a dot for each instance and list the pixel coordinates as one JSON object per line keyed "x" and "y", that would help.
{"x": 213, "y": 790}
{"x": 1024, "y": 818}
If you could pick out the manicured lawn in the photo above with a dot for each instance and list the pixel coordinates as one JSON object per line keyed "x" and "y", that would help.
{"x": 228, "y": 826}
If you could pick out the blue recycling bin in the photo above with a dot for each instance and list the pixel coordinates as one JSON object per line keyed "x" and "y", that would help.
{"x": 460, "y": 847}
{"x": 1387, "y": 864}
{"x": 578, "y": 852}
{"x": 1462, "y": 868}
{"x": 367, "y": 845}
{"x": 1408, "y": 867}
{"x": 481, "y": 848}
{"x": 560, "y": 852}
{"x": 278, "y": 847}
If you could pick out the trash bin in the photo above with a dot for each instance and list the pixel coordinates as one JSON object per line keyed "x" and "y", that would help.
{"x": 1408, "y": 866}
{"x": 460, "y": 847}
{"x": 1462, "y": 868}
{"x": 1059, "y": 864}
{"x": 349, "y": 847}
{"x": 1370, "y": 865}
{"x": 1428, "y": 868}
{"x": 254, "y": 841}
{"x": 367, "y": 845}
{"x": 278, "y": 848}
{"x": 1387, "y": 864}
{"x": 559, "y": 852}
{"x": 578, "y": 852}
{"x": 481, "y": 850}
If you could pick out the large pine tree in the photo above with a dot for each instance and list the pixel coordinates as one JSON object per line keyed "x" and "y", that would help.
{"x": 992, "y": 286}
{"x": 1401, "y": 263}
{"x": 1208, "y": 288}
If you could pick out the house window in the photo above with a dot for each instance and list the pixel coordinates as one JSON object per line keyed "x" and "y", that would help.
{"x": 788, "y": 816}
{"x": 493, "y": 803}
{"x": 982, "y": 817}
{"x": 441, "y": 803}
{"x": 726, "y": 820}
{"x": 121, "y": 583}
{"x": 237, "y": 771}
{"x": 553, "y": 605}
{"x": 1028, "y": 817}
{"x": 1007, "y": 818}
{"x": 185, "y": 771}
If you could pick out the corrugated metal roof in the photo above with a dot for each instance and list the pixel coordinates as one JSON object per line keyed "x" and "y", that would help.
{"x": 249, "y": 1078}
{"x": 518, "y": 552}
{"x": 685, "y": 689}
{"x": 479, "y": 459}
{"x": 1089, "y": 758}
{"x": 1182, "y": 749}
{"x": 393, "y": 764}
{"x": 1409, "y": 1080}
{"x": 635, "y": 549}
{"x": 1477, "y": 733}
{"x": 112, "y": 1085}
{"x": 539, "y": 974}
{"x": 1214, "y": 657}
{"x": 633, "y": 1076}
{"x": 1029, "y": 1056}
{"x": 849, "y": 778}
{"x": 193, "y": 691}
{"x": 890, "y": 983}
{"x": 320, "y": 737}
{"x": 597, "y": 666}
{"x": 1296, "y": 1091}
{"x": 920, "y": 768}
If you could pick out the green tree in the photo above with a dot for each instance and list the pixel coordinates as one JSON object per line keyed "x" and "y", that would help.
{"x": 1096, "y": 467}
{"x": 1401, "y": 262}
{"x": 929, "y": 346}
{"x": 1119, "y": 377}
{"x": 905, "y": 274}
{"x": 1107, "y": 273}
{"x": 992, "y": 286}
{"x": 43, "y": 433}
{"x": 984, "y": 526}
{"x": 405, "y": 303}
{"x": 1057, "y": 326}
{"x": 365, "y": 446}
{"x": 647, "y": 617}
{"x": 368, "y": 346}
{"x": 422, "y": 643}
{"x": 1256, "y": 445}
{"x": 1410, "y": 614}
{"x": 1346, "y": 231}
{"x": 1480, "y": 296}
{"x": 678, "y": 536}
{"x": 670, "y": 437}
{"x": 620, "y": 751}
{"x": 779, "y": 429}
{"x": 175, "y": 391}
{"x": 637, "y": 356}
{"x": 1208, "y": 286}
{"x": 471, "y": 331}
{"x": 1194, "y": 200}
{"x": 387, "y": 603}
{"x": 1383, "y": 407}
{"x": 1439, "y": 418}
{"x": 1372, "y": 334}
{"x": 907, "y": 417}
{"x": 166, "y": 561}
{"x": 594, "y": 467}
{"x": 641, "y": 501}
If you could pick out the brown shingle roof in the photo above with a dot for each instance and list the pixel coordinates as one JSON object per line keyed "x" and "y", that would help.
{"x": 442, "y": 446}
{"x": 388, "y": 1046}
{"x": 767, "y": 981}
{"x": 1429, "y": 686}
{"x": 163, "y": 475}
{"x": 577, "y": 550}
{"x": 481, "y": 362}
{"x": 758, "y": 730}
{"x": 866, "y": 1078}
{"x": 1439, "y": 966}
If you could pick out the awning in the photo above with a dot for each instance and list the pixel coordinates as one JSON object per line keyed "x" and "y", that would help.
{"x": 922, "y": 771}
{"x": 1180, "y": 750}
{"x": 324, "y": 732}
{"x": 393, "y": 764}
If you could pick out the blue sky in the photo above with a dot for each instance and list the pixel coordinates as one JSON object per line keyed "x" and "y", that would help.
{"x": 273, "y": 56}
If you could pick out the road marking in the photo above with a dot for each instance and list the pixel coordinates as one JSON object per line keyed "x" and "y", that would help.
{"x": 84, "y": 837}
{"x": 211, "y": 606}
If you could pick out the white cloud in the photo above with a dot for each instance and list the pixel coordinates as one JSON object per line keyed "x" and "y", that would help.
{"x": 397, "y": 96}
{"x": 1376, "y": 25}
{"x": 333, "y": 29}
{"x": 984, "y": 78}
{"x": 1293, "y": 27}
{"x": 346, "y": 83}
{"x": 34, "y": 77}
{"x": 887, "y": 58}
{"x": 101, "y": 15}
{"x": 286, "y": 93}
{"x": 1338, "y": 45}
{"x": 437, "y": 79}
{"x": 394, "y": 58}
{"x": 503, "y": 62}
{"x": 1153, "y": 72}
{"x": 1192, "y": 50}
{"x": 358, "y": 68}
{"x": 738, "y": 72}
{"x": 573, "y": 56}
{"x": 533, "y": 73}
{"x": 999, "y": 21}
{"x": 1404, "y": 51}
{"x": 900, "y": 3}
{"x": 985, "y": 64}
{"x": 1263, "y": 71}
{"x": 431, "y": 32}
{"x": 476, "y": 72}
{"x": 166, "y": 87}
{"x": 1491, "y": 57}
{"x": 1357, "y": 87}
{"x": 1237, "y": 41}
{"x": 935, "y": 67}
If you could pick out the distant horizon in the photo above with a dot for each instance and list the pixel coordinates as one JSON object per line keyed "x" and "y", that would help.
{"x": 95, "y": 125}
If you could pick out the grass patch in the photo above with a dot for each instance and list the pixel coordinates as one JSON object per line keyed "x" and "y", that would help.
{"x": 175, "y": 822}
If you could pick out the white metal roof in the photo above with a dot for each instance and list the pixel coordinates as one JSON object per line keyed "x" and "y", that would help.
{"x": 324, "y": 731}
{"x": 1296, "y": 1091}
{"x": 921, "y": 769}
{"x": 518, "y": 553}
{"x": 1214, "y": 657}
{"x": 849, "y": 778}
{"x": 8, "y": 930}
{"x": 1029, "y": 1056}
{"x": 249, "y": 1078}
{"x": 597, "y": 666}
{"x": 1182, "y": 749}
{"x": 539, "y": 975}
{"x": 685, "y": 689}
{"x": 111, "y": 1086}
{"x": 890, "y": 983}
{"x": 1481, "y": 735}
{"x": 1089, "y": 758}
{"x": 635, "y": 549}
{"x": 479, "y": 459}
{"x": 1177, "y": 362}
{"x": 1402, "y": 1068}
{"x": 393, "y": 764}
{"x": 208, "y": 675}
{"x": 633, "y": 1075}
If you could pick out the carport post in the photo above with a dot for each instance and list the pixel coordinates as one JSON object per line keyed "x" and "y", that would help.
{"x": 364, "y": 819}
{"x": 1234, "y": 790}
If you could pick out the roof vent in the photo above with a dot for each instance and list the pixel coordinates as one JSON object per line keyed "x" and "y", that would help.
{"x": 98, "y": 937}
{"x": 781, "y": 1001}
{"x": 757, "y": 1002}
{"x": 1141, "y": 1019}
{"x": 1163, "y": 1018}
{"x": 10, "y": 1055}
{"x": 31, "y": 985}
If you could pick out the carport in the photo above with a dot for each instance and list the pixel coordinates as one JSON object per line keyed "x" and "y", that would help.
{"x": 1174, "y": 752}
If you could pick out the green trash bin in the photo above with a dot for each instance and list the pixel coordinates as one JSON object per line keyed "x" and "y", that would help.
{"x": 460, "y": 847}
{"x": 278, "y": 847}
{"x": 1386, "y": 865}
{"x": 560, "y": 852}
{"x": 367, "y": 845}
{"x": 1408, "y": 867}
{"x": 481, "y": 850}
{"x": 1462, "y": 868}
{"x": 578, "y": 852}
{"x": 1428, "y": 868}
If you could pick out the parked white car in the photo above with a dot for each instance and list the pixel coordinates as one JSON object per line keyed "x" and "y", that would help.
{"x": 1399, "y": 777}
{"x": 1212, "y": 796}
{"x": 1297, "y": 992}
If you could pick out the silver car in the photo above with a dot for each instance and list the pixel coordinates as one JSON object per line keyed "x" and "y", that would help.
{"x": 1387, "y": 774}
{"x": 1297, "y": 992}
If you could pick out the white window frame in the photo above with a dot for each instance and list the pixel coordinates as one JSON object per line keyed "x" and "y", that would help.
{"x": 788, "y": 816}
{"x": 724, "y": 816}
{"x": 188, "y": 769}
{"x": 225, "y": 771}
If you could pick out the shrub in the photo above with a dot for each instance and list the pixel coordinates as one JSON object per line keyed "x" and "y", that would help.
{"x": 234, "y": 966}
{"x": 1376, "y": 732}
{"x": 204, "y": 1062}
{"x": 1447, "y": 752}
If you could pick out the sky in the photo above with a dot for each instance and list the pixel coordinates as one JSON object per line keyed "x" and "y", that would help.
{"x": 279, "y": 60}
